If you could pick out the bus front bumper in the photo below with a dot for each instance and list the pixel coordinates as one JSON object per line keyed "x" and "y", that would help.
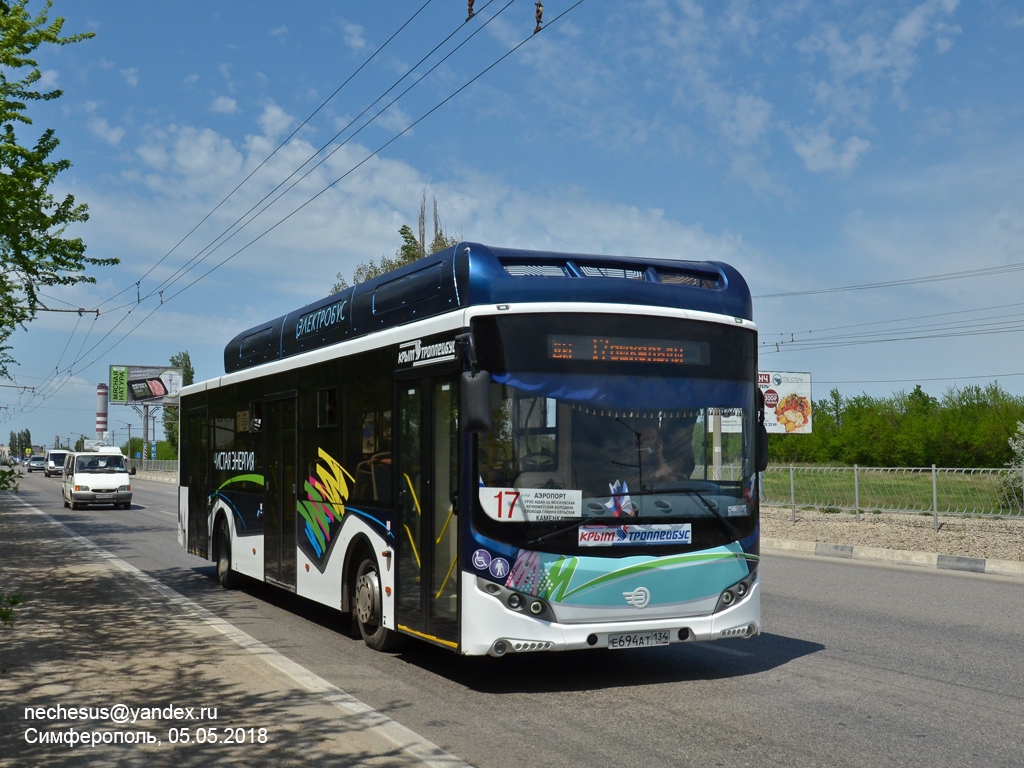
{"x": 488, "y": 627}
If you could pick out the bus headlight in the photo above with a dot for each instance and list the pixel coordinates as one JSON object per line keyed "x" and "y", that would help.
{"x": 736, "y": 592}
{"x": 520, "y": 602}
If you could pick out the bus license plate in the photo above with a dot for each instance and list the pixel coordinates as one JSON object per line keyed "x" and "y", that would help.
{"x": 639, "y": 639}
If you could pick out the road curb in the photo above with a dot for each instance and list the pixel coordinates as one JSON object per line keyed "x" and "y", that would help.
{"x": 896, "y": 557}
{"x": 157, "y": 477}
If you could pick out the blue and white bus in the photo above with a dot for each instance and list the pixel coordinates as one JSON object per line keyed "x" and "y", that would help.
{"x": 496, "y": 451}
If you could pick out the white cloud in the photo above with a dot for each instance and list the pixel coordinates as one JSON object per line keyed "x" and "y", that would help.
{"x": 278, "y": 31}
{"x": 393, "y": 120}
{"x": 99, "y": 126}
{"x": 224, "y": 105}
{"x": 131, "y": 76}
{"x": 47, "y": 80}
{"x": 871, "y": 55}
{"x": 274, "y": 121}
{"x": 354, "y": 36}
{"x": 819, "y": 152}
{"x": 153, "y": 155}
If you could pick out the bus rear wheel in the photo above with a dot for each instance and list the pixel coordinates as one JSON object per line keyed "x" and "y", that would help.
{"x": 367, "y": 608}
{"x": 227, "y": 577}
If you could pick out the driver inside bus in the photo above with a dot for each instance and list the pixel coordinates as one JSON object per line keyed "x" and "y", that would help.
{"x": 665, "y": 454}
{"x": 678, "y": 446}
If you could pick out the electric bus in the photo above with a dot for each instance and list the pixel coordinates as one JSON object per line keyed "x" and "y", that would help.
{"x": 495, "y": 451}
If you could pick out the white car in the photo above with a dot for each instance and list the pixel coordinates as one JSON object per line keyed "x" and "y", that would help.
{"x": 96, "y": 478}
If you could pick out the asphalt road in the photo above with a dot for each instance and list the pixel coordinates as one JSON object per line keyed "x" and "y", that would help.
{"x": 861, "y": 665}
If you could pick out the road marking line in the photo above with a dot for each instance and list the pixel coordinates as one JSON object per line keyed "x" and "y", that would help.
{"x": 403, "y": 738}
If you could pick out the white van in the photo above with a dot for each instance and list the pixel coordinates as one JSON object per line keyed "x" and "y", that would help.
{"x": 54, "y": 463}
{"x": 97, "y": 477}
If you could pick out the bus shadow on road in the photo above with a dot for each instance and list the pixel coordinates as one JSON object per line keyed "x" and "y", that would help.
{"x": 541, "y": 672}
{"x": 600, "y": 669}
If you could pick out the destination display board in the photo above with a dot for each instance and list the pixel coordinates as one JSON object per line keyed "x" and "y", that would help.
{"x": 619, "y": 349}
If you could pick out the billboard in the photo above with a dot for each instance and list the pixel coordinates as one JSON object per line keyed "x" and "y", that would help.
{"x": 145, "y": 384}
{"x": 787, "y": 402}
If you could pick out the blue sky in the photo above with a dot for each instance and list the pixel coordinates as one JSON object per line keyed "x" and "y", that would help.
{"x": 813, "y": 145}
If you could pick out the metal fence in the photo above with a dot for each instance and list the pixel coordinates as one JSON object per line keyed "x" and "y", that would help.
{"x": 936, "y": 491}
{"x": 168, "y": 466}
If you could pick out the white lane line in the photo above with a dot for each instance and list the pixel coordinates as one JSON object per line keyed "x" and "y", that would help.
{"x": 403, "y": 738}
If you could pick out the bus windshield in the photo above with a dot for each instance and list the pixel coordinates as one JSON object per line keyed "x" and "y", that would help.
{"x": 605, "y": 421}
{"x": 102, "y": 462}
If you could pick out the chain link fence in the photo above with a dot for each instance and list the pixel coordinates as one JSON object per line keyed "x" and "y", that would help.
{"x": 934, "y": 490}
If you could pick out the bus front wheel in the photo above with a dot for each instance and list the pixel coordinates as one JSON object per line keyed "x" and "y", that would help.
{"x": 227, "y": 577}
{"x": 368, "y": 608}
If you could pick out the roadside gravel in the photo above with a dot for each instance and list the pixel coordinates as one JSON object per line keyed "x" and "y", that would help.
{"x": 996, "y": 538}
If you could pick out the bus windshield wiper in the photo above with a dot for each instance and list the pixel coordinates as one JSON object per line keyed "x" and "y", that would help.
{"x": 558, "y": 531}
{"x": 727, "y": 528}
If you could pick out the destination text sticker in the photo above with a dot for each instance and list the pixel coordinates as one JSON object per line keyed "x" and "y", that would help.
{"x": 631, "y": 535}
{"x": 520, "y": 505}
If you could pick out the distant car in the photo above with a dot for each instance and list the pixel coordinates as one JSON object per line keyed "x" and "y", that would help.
{"x": 37, "y": 464}
{"x": 54, "y": 463}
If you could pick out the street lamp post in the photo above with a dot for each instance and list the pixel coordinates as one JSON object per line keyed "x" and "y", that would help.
{"x": 129, "y": 436}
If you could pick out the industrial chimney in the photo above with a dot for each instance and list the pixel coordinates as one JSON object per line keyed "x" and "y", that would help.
{"x": 101, "y": 411}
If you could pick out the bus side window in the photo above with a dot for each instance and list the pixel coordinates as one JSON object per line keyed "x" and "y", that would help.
{"x": 327, "y": 407}
{"x": 368, "y": 448}
{"x": 256, "y": 416}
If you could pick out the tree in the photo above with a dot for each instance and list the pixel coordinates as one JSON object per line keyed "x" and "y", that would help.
{"x": 412, "y": 249}
{"x": 171, "y": 415}
{"x": 34, "y": 252}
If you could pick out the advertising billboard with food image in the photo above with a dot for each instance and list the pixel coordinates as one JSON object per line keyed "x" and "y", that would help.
{"x": 787, "y": 402}
{"x": 148, "y": 384}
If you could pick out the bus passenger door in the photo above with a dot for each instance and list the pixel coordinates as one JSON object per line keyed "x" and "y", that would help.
{"x": 195, "y": 474}
{"x": 427, "y": 479}
{"x": 279, "y": 507}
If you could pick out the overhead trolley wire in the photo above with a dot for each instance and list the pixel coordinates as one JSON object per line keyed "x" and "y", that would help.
{"x": 969, "y": 273}
{"x": 262, "y": 163}
{"x": 278, "y": 148}
{"x": 196, "y": 260}
{"x": 214, "y": 245}
{"x": 318, "y": 194}
{"x": 386, "y": 144}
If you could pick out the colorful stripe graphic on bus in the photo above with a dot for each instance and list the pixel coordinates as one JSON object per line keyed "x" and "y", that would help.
{"x": 323, "y": 509}
{"x": 587, "y": 581}
{"x": 243, "y": 495}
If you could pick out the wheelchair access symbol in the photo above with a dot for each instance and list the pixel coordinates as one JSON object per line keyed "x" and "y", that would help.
{"x": 498, "y": 567}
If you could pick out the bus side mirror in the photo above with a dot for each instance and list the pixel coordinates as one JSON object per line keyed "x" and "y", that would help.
{"x": 760, "y": 434}
{"x": 475, "y": 401}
